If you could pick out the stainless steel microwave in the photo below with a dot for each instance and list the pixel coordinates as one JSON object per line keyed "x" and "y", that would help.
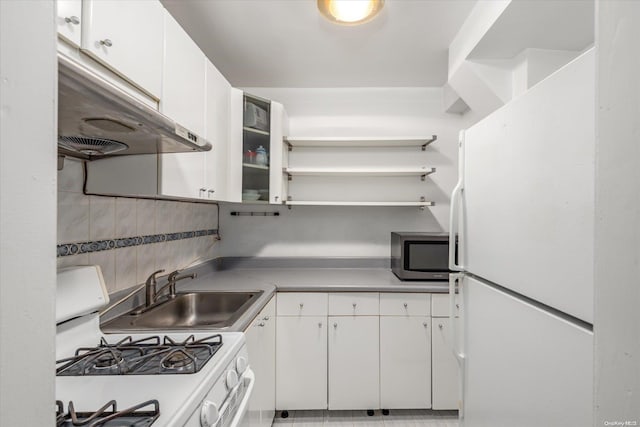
{"x": 420, "y": 256}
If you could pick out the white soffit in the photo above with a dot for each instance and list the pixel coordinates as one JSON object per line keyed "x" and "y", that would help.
{"x": 543, "y": 24}
{"x": 287, "y": 43}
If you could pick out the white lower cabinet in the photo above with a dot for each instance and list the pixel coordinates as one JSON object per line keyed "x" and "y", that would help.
{"x": 445, "y": 367}
{"x": 261, "y": 344}
{"x": 301, "y": 362}
{"x": 348, "y": 351}
{"x": 445, "y": 370}
{"x": 354, "y": 375}
{"x": 405, "y": 362}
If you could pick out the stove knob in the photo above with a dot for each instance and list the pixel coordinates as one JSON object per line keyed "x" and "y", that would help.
{"x": 241, "y": 364}
{"x": 209, "y": 414}
{"x": 232, "y": 379}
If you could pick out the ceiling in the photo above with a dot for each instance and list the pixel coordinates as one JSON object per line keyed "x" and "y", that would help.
{"x": 568, "y": 25}
{"x": 287, "y": 43}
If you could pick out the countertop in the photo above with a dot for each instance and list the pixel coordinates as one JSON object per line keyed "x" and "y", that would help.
{"x": 272, "y": 280}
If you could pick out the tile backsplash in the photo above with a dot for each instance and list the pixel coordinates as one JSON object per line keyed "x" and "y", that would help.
{"x": 130, "y": 238}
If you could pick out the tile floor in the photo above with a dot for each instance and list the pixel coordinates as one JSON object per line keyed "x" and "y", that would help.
{"x": 396, "y": 418}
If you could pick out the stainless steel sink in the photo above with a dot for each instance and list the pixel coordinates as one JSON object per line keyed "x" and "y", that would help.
{"x": 194, "y": 310}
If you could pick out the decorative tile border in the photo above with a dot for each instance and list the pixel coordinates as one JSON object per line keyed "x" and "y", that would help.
{"x": 67, "y": 249}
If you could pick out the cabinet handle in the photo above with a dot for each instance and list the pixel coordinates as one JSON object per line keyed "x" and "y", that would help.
{"x": 458, "y": 306}
{"x": 72, "y": 20}
{"x": 211, "y": 192}
{"x": 335, "y": 325}
{"x": 319, "y": 324}
{"x": 261, "y": 324}
{"x": 440, "y": 326}
{"x": 406, "y": 305}
{"x": 106, "y": 42}
{"x": 265, "y": 318}
{"x": 301, "y": 305}
{"x": 276, "y": 198}
{"x": 354, "y": 305}
{"x": 424, "y": 324}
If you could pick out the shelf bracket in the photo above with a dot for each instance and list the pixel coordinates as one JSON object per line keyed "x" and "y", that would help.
{"x": 289, "y": 146}
{"x": 433, "y": 138}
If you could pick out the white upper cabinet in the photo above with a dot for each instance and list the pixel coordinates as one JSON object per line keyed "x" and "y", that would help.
{"x": 183, "y": 78}
{"x": 69, "y": 20}
{"x": 126, "y": 37}
{"x": 183, "y": 100}
{"x": 218, "y": 108}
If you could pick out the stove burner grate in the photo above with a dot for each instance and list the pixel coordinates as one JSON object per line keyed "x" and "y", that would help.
{"x": 108, "y": 415}
{"x": 146, "y": 356}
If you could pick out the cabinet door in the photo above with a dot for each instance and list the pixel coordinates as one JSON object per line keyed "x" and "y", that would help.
{"x": 354, "y": 368}
{"x": 217, "y": 109}
{"x": 405, "y": 362}
{"x": 301, "y": 362}
{"x": 183, "y": 100}
{"x": 69, "y": 20}
{"x": 234, "y": 173}
{"x": 261, "y": 344}
{"x": 279, "y": 129}
{"x": 253, "y": 336}
{"x": 445, "y": 367}
{"x": 126, "y": 37}
{"x": 268, "y": 387}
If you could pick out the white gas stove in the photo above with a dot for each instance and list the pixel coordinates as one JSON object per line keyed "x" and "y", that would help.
{"x": 164, "y": 379}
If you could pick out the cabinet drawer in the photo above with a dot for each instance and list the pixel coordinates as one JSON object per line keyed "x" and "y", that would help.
{"x": 440, "y": 305}
{"x": 354, "y": 304}
{"x": 405, "y": 304}
{"x": 302, "y": 304}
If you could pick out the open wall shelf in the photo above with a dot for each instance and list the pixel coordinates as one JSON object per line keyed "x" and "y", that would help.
{"x": 300, "y": 141}
{"x": 351, "y": 203}
{"x": 419, "y": 171}
{"x": 328, "y": 173}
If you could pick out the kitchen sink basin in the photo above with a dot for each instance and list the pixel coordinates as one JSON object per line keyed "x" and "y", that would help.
{"x": 193, "y": 310}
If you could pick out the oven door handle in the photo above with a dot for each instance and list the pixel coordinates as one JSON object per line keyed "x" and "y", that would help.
{"x": 249, "y": 379}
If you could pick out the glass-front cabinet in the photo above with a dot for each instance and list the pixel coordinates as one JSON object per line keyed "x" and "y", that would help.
{"x": 256, "y": 149}
{"x": 257, "y": 136}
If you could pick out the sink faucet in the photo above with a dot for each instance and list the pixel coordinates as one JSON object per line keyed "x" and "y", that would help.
{"x": 172, "y": 279}
{"x": 151, "y": 293}
{"x": 150, "y": 289}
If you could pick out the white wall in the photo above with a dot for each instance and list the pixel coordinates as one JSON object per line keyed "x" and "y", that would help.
{"x": 352, "y": 231}
{"x": 617, "y": 224}
{"x": 27, "y": 212}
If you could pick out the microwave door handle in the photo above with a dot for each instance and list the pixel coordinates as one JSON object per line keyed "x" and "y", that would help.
{"x": 454, "y": 214}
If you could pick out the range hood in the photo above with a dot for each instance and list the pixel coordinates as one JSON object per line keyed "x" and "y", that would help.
{"x": 98, "y": 120}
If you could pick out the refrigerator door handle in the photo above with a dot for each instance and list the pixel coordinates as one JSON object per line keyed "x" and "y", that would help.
{"x": 454, "y": 213}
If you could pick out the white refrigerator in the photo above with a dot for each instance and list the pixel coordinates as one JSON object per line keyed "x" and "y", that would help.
{"x": 523, "y": 211}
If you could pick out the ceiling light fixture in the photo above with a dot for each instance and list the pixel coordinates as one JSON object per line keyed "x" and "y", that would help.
{"x": 350, "y": 12}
